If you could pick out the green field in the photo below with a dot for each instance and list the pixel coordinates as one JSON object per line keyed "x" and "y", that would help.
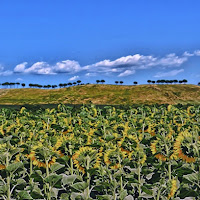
{"x": 104, "y": 95}
{"x": 148, "y": 152}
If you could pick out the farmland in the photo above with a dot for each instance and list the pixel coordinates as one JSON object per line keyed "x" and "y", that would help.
{"x": 103, "y": 94}
{"x": 147, "y": 152}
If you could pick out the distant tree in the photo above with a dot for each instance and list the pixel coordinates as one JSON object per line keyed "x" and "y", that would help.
{"x": 175, "y": 81}
{"x": 199, "y": 83}
{"x": 167, "y": 81}
{"x": 180, "y": 81}
{"x": 149, "y": 81}
{"x": 60, "y": 85}
{"x": 74, "y": 83}
{"x": 135, "y": 82}
{"x": 116, "y": 82}
{"x": 102, "y": 81}
{"x": 79, "y": 81}
{"x": 158, "y": 81}
{"x": 121, "y": 82}
{"x": 64, "y": 84}
{"x": 17, "y": 84}
{"x": 70, "y": 84}
{"x": 184, "y": 81}
{"x": 162, "y": 81}
{"x": 153, "y": 82}
{"x": 23, "y": 85}
{"x": 98, "y": 81}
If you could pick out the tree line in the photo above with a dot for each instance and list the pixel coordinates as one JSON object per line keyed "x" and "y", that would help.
{"x": 79, "y": 82}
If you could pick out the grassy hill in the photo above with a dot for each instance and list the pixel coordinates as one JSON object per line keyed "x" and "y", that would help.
{"x": 104, "y": 95}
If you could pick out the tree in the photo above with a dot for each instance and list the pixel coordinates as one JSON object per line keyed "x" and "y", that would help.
{"x": 199, "y": 83}
{"x": 153, "y": 82}
{"x": 184, "y": 81}
{"x": 79, "y": 81}
{"x": 180, "y": 81}
{"x": 158, "y": 81}
{"x": 121, "y": 82}
{"x": 149, "y": 81}
{"x": 102, "y": 81}
{"x": 23, "y": 85}
{"x": 70, "y": 84}
{"x": 60, "y": 85}
{"x": 135, "y": 82}
{"x": 116, "y": 82}
{"x": 17, "y": 84}
{"x": 175, "y": 81}
{"x": 98, "y": 81}
{"x": 65, "y": 84}
{"x": 74, "y": 83}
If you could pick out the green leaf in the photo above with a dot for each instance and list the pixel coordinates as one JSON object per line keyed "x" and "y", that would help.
{"x": 53, "y": 179}
{"x": 3, "y": 189}
{"x": 66, "y": 180}
{"x": 54, "y": 192}
{"x": 56, "y": 166}
{"x": 80, "y": 186}
{"x": 129, "y": 197}
{"x": 24, "y": 195}
{"x": 76, "y": 196}
{"x": 64, "y": 196}
{"x": 14, "y": 167}
{"x": 191, "y": 177}
{"x": 21, "y": 181}
{"x": 104, "y": 197}
{"x": 36, "y": 193}
{"x": 147, "y": 191}
{"x": 109, "y": 138}
{"x": 123, "y": 194}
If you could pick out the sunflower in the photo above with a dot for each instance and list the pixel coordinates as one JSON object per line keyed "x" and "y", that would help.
{"x": 180, "y": 143}
{"x": 2, "y": 167}
{"x": 114, "y": 157}
{"x": 154, "y": 151}
{"x": 80, "y": 156}
{"x": 173, "y": 188}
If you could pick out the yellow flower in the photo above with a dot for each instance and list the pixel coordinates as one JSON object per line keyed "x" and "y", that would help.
{"x": 173, "y": 188}
{"x": 143, "y": 159}
{"x": 2, "y": 167}
{"x": 154, "y": 151}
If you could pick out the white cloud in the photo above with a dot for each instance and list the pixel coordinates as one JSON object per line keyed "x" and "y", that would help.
{"x": 73, "y": 78}
{"x": 90, "y": 74}
{"x": 171, "y": 60}
{"x": 126, "y": 73}
{"x": 20, "y": 67}
{"x": 187, "y": 54}
{"x": 168, "y": 74}
{"x": 6, "y": 73}
{"x": 197, "y": 53}
{"x": 66, "y": 66}
{"x": 19, "y": 79}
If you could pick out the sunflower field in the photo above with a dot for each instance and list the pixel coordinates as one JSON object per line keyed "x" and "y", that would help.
{"x": 147, "y": 152}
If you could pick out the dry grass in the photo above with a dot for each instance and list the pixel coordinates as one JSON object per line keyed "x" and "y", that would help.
{"x": 104, "y": 95}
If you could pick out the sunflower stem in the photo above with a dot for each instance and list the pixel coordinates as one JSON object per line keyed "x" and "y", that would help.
{"x": 8, "y": 179}
{"x": 88, "y": 176}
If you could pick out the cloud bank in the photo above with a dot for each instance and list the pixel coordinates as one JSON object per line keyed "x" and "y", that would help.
{"x": 167, "y": 74}
{"x": 121, "y": 67}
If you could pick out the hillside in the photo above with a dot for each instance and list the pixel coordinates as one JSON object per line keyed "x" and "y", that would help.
{"x": 104, "y": 95}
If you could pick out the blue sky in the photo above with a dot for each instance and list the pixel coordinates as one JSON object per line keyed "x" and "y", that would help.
{"x": 52, "y": 42}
